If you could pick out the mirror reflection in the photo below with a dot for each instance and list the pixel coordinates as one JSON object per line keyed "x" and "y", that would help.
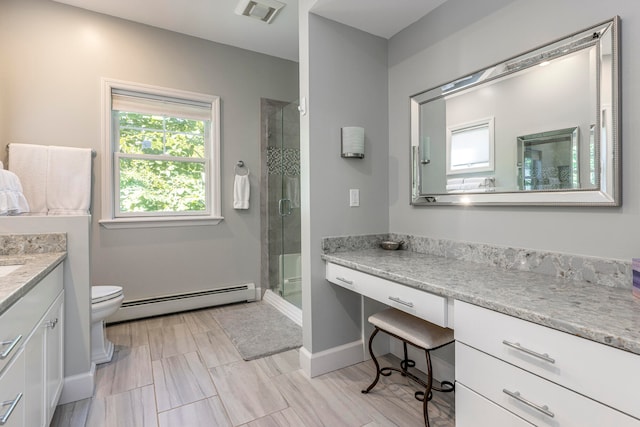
{"x": 524, "y": 128}
{"x": 549, "y": 160}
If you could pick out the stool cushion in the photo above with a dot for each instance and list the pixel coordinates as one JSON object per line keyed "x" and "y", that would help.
{"x": 412, "y": 329}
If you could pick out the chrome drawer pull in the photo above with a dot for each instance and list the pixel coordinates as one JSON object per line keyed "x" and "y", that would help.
{"x": 399, "y": 301}
{"x": 343, "y": 280}
{"x": 516, "y": 395}
{"x": 13, "y": 403}
{"x": 517, "y": 346}
{"x": 11, "y": 345}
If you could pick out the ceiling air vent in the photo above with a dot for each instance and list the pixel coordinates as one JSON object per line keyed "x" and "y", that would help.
{"x": 264, "y": 10}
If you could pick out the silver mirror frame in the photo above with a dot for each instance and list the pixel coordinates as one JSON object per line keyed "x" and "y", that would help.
{"x": 609, "y": 192}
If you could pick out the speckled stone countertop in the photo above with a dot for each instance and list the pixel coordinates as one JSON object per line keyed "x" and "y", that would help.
{"x": 36, "y": 255}
{"x": 605, "y": 314}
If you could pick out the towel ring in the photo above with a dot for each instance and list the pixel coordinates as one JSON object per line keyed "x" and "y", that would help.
{"x": 239, "y": 166}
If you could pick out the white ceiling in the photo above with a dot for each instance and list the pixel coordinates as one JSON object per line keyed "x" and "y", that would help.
{"x": 215, "y": 20}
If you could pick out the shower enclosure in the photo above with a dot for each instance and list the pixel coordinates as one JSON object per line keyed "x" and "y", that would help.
{"x": 281, "y": 206}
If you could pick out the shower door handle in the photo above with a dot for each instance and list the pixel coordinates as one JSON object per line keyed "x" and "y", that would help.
{"x": 281, "y": 206}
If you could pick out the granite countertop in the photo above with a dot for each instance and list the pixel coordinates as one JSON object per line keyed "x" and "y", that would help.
{"x": 607, "y": 315}
{"x": 35, "y": 255}
{"x": 33, "y": 268}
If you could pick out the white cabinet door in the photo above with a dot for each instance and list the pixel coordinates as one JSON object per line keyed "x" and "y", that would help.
{"x": 34, "y": 379}
{"x": 12, "y": 393}
{"x": 43, "y": 357}
{"x": 54, "y": 355}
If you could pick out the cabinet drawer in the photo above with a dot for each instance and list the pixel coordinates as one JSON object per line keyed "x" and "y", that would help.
{"x": 12, "y": 388}
{"x": 535, "y": 399}
{"x": 17, "y": 322}
{"x": 604, "y": 373}
{"x": 424, "y": 305}
{"x": 473, "y": 410}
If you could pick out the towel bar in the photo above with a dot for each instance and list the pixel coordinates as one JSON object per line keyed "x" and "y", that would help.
{"x": 93, "y": 152}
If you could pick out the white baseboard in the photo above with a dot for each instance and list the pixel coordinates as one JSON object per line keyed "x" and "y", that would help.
{"x": 331, "y": 359}
{"x": 283, "y": 306}
{"x": 181, "y": 302}
{"x": 78, "y": 387}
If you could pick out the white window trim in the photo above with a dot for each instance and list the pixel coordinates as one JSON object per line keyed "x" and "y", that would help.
{"x": 108, "y": 218}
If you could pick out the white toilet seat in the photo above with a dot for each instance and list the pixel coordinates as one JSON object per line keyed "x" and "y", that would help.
{"x": 105, "y": 293}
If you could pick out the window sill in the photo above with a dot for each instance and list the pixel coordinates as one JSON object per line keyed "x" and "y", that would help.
{"x": 159, "y": 222}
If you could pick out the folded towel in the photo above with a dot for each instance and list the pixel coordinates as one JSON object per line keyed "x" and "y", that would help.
{"x": 481, "y": 180}
{"x": 29, "y": 162}
{"x": 12, "y": 200}
{"x": 9, "y": 181}
{"x": 241, "y": 192}
{"x": 476, "y": 184}
{"x": 69, "y": 180}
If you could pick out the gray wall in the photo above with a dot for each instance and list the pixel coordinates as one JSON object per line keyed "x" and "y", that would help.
{"x": 462, "y": 36}
{"x": 52, "y": 57}
{"x": 347, "y": 87}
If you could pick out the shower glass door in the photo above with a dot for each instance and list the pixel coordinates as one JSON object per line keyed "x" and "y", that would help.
{"x": 284, "y": 199}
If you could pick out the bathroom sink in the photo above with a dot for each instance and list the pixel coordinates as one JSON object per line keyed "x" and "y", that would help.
{"x": 8, "y": 269}
{"x": 9, "y": 265}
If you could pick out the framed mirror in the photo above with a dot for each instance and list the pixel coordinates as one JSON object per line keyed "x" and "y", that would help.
{"x": 540, "y": 128}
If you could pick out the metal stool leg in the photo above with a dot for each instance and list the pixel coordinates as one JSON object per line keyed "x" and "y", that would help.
{"x": 375, "y": 381}
{"x": 427, "y": 391}
{"x": 424, "y": 396}
{"x": 406, "y": 363}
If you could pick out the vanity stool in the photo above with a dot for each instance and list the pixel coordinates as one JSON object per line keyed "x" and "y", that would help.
{"x": 419, "y": 333}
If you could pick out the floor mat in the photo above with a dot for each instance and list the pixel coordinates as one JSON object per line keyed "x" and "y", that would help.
{"x": 259, "y": 330}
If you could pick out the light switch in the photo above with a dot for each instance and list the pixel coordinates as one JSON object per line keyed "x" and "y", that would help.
{"x": 354, "y": 197}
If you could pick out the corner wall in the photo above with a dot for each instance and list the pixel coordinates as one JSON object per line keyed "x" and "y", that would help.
{"x": 344, "y": 78}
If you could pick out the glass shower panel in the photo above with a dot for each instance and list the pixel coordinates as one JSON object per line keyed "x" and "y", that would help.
{"x": 283, "y": 160}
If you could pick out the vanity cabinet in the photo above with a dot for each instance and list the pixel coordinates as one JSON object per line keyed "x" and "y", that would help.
{"x": 12, "y": 391}
{"x": 424, "y": 305}
{"x": 538, "y": 374}
{"x": 32, "y": 369}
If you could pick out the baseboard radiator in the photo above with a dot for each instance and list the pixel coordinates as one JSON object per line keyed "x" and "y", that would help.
{"x": 147, "y": 307}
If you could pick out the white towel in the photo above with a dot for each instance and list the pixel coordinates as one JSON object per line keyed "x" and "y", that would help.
{"x": 12, "y": 200}
{"x": 455, "y": 181}
{"x": 475, "y": 184}
{"x": 29, "y": 162}
{"x": 241, "y": 192}
{"x": 480, "y": 180}
{"x": 68, "y": 180}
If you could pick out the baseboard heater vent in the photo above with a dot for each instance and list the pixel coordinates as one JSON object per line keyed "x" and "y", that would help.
{"x": 147, "y": 307}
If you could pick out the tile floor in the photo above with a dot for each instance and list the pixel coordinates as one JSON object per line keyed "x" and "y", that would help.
{"x": 181, "y": 370}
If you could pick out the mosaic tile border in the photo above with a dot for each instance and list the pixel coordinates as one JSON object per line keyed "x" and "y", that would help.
{"x": 283, "y": 161}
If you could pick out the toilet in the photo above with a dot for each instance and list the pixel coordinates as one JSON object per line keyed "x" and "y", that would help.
{"x": 105, "y": 301}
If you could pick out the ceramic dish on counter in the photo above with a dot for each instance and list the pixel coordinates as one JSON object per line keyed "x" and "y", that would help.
{"x": 391, "y": 245}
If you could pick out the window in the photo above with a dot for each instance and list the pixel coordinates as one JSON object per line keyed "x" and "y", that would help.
{"x": 161, "y": 162}
{"x": 470, "y": 147}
